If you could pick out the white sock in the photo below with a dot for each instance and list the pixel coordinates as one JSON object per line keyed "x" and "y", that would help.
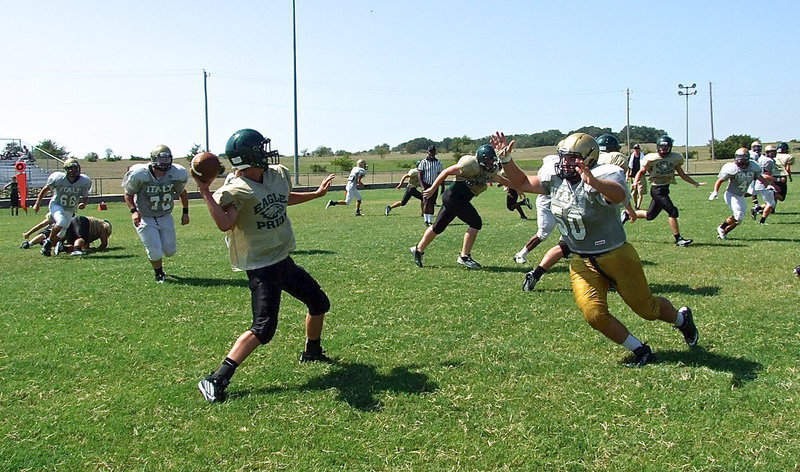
{"x": 523, "y": 252}
{"x": 679, "y": 319}
{"x": 631, "y": 343}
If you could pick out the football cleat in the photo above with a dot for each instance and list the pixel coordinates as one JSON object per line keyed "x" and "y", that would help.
{"x": 468, "y": 262}
{"x": 688, "y": 328}
{"x": 76, "y": 252}
{"x": 721, "y": 233}
{"x": 683, "y": 242}
{"x": 624, "y": 217}
{"x": 642, "y": 356}
{"x": 315, "y": 355}
{"x": 161, "y": 278}
{"x": 527, "y": 203}
{"x": 59, "y": 248}
{"x": 387, "y": 210}
{"x": 417, "y": 255}
{"x": 358, "y": 212}
{"x": 46, "y": 245}
{"x": 530, "y": 282}
{"x": 213, "y": 388}
{"x": 329, "y": 204}
{"x": 520, "y": 258}
{"x": 25, "y": 245}
{"x": 796, "y": 272}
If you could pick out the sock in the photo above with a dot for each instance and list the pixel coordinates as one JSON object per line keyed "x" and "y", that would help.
{"x": 334, "y": 203}
{"x": 631, "y": 343}
{"x": 227, "y": 368}
{"x": 313, "y": 344}
{"x": 679, "y": 319}
{"x": 523, "y": 252}
{"x": 724, "y": 225}
{"x": 762, "y": 220}
{"x": 539, "y": 272}
{"x": 677, "y": 237}
{"x": 159, "y": 271}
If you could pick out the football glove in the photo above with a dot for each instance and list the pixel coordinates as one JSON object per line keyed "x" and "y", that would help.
{"x": 713, "y": 196}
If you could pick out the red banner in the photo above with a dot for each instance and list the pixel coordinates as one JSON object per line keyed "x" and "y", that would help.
{"x": 22, "y": 181}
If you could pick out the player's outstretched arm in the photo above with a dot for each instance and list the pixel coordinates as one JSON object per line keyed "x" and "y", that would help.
{"x": 686, "y": 177}
{"x": 184, "y": 196}
{"x": 301, "y": 197}
{"x": 452, "y": 170}
{"x": 39, "y": 198}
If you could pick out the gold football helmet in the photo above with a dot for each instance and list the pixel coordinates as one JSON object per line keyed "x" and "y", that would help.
{"x": 361, "y": 163}
{"x": 575, "y": 147}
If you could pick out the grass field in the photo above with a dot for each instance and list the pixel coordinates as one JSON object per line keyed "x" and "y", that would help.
{"x": 438, "y": 369}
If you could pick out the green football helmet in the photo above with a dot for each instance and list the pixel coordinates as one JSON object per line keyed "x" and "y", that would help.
{"x": 608, "y": 143}
{"x": 248, "y": 148}
{"x": 664, "y": 145}
{"x": 487, "y": 158}
{"x": 161, "y": 158}
{"x": 783, "y": 148}
{"x": 72, "y": 168}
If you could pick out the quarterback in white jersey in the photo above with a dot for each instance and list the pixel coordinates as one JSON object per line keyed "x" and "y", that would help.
{"x": 150, "y": 192}
{"x": 70, "y": 193}
{"x": 740, "y": 174}
{"x": 351, "y": 189}
{"x": 585, "y": 203}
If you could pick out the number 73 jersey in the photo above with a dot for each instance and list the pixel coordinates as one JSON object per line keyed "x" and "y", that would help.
{"x": 154, "y": 197}
{"x": 588, "y": 223}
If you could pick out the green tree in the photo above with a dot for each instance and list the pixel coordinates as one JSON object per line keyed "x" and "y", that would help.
{"x": 342, "y": 152}
{"x": 110, "y": 156}
{"x": 414, "y": 146}
{"x": 91, "y": 157}
{"x": 343, "y": 163}
{"x": 726, "y": 149}
{"x": 640, "y": 134}
{"x": 139, "y": 158}
{"x": 593, "y": 131}
{"x": 195, "y": 150}
{"x": 322, "y": 151}
{"x": 48, "y": 148}
{"x": 462, "y": 146}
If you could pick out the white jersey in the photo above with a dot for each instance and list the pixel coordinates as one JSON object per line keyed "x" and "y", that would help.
{"x": 588, "y": 223}
{"x": 68, "y": 194}
{"x": 154, "y": 197}
{"x": 355, "y": 174}
{"x": 767, "y": 167}
{"x": 739, "y": 179}
{"x": 543, "y": 200}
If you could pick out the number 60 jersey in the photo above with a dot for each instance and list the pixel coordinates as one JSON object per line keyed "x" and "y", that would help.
{"x": 154, "y": 196}
{"x": 588, "y": 223}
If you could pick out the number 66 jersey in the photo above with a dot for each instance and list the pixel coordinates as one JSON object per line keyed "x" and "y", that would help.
{"x": 154, "y": 196}
{"x": 588, "y": 223}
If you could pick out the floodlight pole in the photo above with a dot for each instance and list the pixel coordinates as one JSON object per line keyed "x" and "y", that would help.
{"x": 685, "y": 92}
{"x": 294, "y": 58}
{"x": 205, "y": 94}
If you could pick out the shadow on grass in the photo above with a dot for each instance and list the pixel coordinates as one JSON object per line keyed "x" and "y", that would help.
{"x": 358, "y": 384}
{"x": 206, "y": 281}
{"x": 313, "y": 251}
{"x": 743, "y": 370}
{"x": 103, "y": 255}
{"x": 777, "y": 240}
{"x": 707, "y": 291}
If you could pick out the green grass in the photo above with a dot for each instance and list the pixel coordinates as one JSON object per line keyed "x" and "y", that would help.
{"x": 439, "y": 369}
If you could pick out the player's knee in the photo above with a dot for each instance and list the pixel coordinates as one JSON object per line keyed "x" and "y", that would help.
{"x": 598, "y": 319}
{"x": 154, "y": 254}
{"x": 673, "y": 212}
{"x": 648, "y": 309}
{"x": 264, "y": 333}
{"x": 62, "y": 234}
{"x": 170, "y": 251}
{"x": 565, "y": 250}
{"x": 320, "y": 305}
{"x": 650, "y": 216}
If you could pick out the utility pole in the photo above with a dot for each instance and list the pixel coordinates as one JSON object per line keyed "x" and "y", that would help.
{"x": 628, "y": 127}
{"x": 711, "y": 107}
{"x": 205, "y": 94}
{"x": 685, "y": 92}
{"x": 294, "y": 58}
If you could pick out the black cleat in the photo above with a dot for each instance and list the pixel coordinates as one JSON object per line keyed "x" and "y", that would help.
{"x": 46, "y": 247}
{"x": 642, "y": 356}
{"x": 213, "y": 388}
{"x": 530, "y": 282}
{"x": 683, "y": 242}
{"x": 417, "y": 255}
{"x": 161, "y": 278}
{"x": 688, "y": 328}
{"x": 25, "y": 245}
{"x": 387, "y": 210}
{"x": 468, "y": 262}
{"x": 315, "y": 355}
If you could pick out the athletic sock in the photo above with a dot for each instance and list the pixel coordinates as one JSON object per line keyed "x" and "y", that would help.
{"x": 313, "y": 344}
{"x": 227, "y": 368}
{"x": 539, "y": 272}
{"x": 677, "y": 237}
{"x": 523, "y": 252}
{"x": 724, "y": 225}
{"x": 762, "y": 220}
{"x": 631, "y": 343}
{"x": 159, "y": 271}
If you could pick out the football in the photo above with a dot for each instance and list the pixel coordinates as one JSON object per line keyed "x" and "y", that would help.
{"x": 205, "y": 166}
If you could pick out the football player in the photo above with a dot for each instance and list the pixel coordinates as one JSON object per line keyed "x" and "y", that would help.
{"x": 609, "y": 147}
{"x": 765, "y": 188}
{"x": 740, "y": 174}
{"x": 585, "y": 204}
{"x": 634, "y": 164}
{"x": 150, "y": 193}
{"x": 783, "y": 170}
{"x": 351, "y": 189}
{"x": 472, "y": 174}
{"x": 755, "y": 155}
{"x": 84, "y": 230}
{"x": 661, "y": 166}
{"x": 70, "y": 193}
{"x": 252, "y": 209}
{"x": 412, "y": 190}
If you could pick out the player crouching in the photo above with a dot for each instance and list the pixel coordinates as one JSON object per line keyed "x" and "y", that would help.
{"x": 252, "y": 209}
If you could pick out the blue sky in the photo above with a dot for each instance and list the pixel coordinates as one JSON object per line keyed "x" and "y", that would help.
{"x": 128, "y": 76}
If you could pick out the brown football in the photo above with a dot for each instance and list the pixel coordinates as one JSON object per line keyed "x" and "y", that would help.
{"x": 205, "y": 166}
